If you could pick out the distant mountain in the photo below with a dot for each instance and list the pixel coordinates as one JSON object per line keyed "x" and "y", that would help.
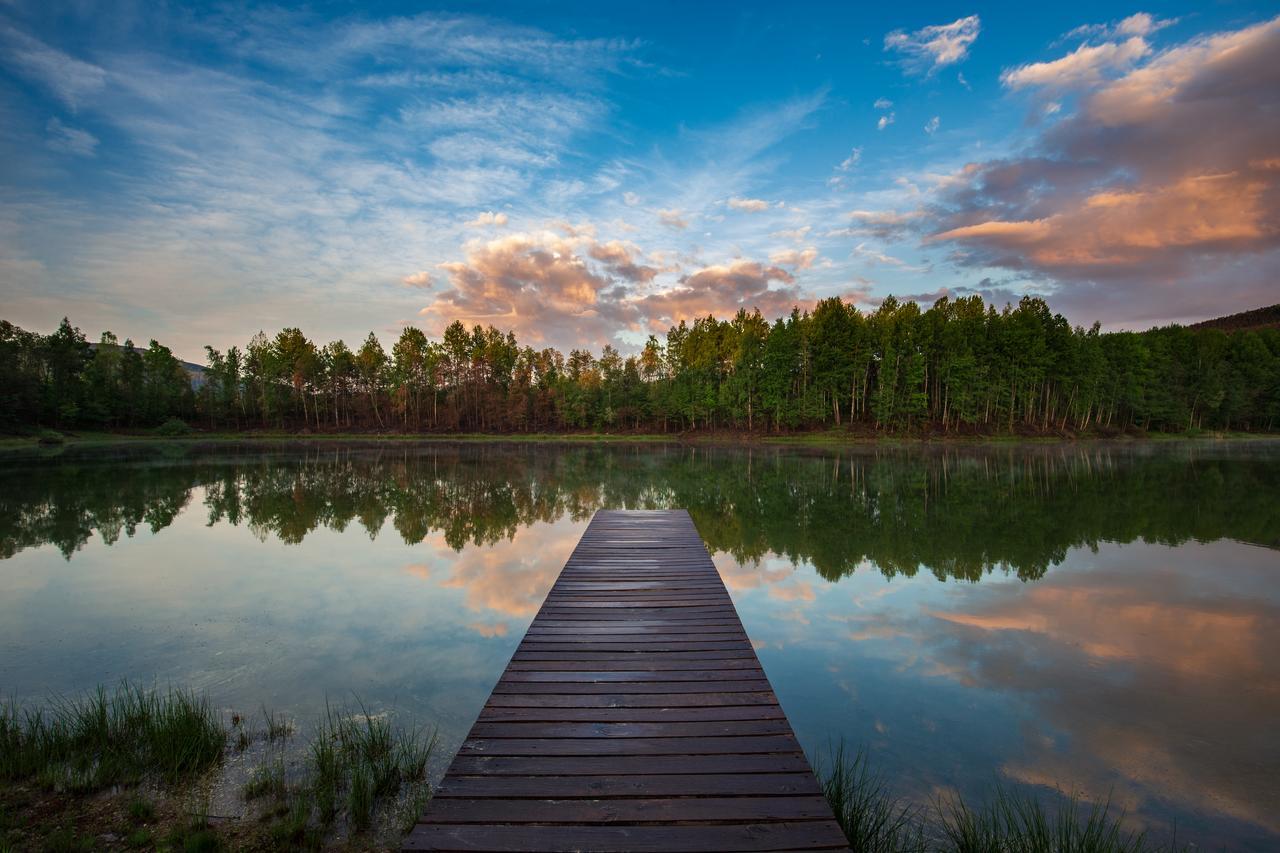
{"x": 195, "y": 372}
{"x": 1258, "y": 318}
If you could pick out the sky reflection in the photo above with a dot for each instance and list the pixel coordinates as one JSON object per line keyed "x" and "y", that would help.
{"x": 1140, "y": 672}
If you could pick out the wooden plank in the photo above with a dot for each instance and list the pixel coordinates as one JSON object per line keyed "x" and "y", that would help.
{"x": 632, "y": 746}
{"x": 532, "y": 838}
{"x": 669, "y": 785}
{"x": 631, "y": 810}
{"x": 632, "y": 700}
{"x": 634, "y": 715}
{"x": 510, "y": 729}
{"x": 713, "y": 713}
{"x": 607, "y": 765}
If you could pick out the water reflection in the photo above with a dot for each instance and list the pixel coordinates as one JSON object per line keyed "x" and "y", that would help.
{"x": 954, "y": 513}
{"x": 1112, "y": 632}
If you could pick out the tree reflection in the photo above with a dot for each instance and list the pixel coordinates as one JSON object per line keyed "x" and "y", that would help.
{"x": 956, "y": 512}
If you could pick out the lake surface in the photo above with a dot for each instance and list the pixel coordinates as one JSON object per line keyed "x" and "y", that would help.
{"x": 1099, "y": 619}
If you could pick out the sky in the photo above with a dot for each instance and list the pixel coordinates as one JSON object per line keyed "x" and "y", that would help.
{"x": 589, "y": 174}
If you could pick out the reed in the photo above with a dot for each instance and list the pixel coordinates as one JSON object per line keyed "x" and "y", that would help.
{"x": 874, "y": 821}
{"x": 110, "y": 738}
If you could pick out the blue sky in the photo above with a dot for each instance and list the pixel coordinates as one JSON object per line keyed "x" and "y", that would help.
{"x": 588, "y": 174}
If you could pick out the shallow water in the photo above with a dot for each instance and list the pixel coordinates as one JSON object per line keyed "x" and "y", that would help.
{"x": 1099, "y": 619}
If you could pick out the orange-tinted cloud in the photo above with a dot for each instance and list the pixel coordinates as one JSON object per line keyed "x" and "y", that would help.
{"x": 510, "y": 578}
{"x": 1158, "y": 179}
{"x": 539, "y": 285}
{"x": 566, "y": 288}
{"x": 1161, "y": 679}
{"x": 720, "y": 290}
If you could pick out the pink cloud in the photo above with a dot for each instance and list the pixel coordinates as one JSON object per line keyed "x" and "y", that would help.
{"x": 569, "y": 289}
{"x": 1160, "y": 178}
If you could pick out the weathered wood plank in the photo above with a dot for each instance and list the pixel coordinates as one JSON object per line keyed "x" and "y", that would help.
{"x": 631, "y": 810}
{"x": 670, "y": 785}
{"x": 532, "y": 838}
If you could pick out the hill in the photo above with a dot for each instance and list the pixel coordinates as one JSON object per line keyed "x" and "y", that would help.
{"x": 1258, "y": 318}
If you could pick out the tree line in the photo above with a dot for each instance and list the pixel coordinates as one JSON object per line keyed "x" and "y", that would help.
{"x": 960, "y": 366}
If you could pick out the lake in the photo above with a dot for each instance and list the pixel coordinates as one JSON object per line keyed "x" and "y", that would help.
{"x": 1096, "y": 618}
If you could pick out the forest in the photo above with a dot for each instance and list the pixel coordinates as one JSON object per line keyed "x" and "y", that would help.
{"x": 960, "y": 366}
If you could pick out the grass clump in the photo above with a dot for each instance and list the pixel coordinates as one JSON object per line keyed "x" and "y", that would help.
{"x": 278, "y": 727}
{"x": 872, "y": 820}
{"x": 364, "y": 757}
{"x": 1010, "y": 822}
{"x": 141, "y": 810}
{"x": 106, "y": 739}
{"x": 358, "y": 767}
{"x": 1019, "y": 823}
{"x": 266, "y": 781}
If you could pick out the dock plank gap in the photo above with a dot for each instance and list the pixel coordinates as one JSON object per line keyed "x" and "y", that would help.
{"x": 634, "y": 715}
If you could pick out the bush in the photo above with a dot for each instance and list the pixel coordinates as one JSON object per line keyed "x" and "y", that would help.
{"x": 173, "y": 427}
{"x": 48, "y": 436}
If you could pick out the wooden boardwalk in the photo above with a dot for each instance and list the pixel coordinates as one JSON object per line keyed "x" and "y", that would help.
{"x": 634, "y": 715}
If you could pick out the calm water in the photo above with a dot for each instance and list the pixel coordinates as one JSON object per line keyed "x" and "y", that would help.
{"x": 1104, "y": 620}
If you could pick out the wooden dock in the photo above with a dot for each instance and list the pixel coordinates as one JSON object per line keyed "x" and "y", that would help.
{"x": 634, "y": 715}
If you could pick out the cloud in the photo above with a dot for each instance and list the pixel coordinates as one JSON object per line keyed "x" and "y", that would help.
{"x": 930, "y": 48}
{"x": 721, "y": 290}
{"x": 800, "y": 259}
{"x": 621, "y": 260}
{"x": 885, "y": 121}
{"x": 1137, "y": 24}
{"x": 255, "y": 145}
{"x": 69, "y": 79}
{"x": 855, "y": 157}
{"x": 70, "y": 140}
{"x": 931, "y": 126}
{"x": 1156, "y": 181}
{"x": 487, "y": 218}
{"x": 420, "y": 279}
{"x": 1123, "y": 227}
{"x": 630, "y": 199}
{"x": 1086, "y": 65}
{"x": 883, "y": 224}
{"x": 673, "y": 218}
{"x": 570, "y": 289}
{"x": 797, "y": 234}
{"x": 538, "y": 284}
{"x": 876, "y": 257}
{"x": 882, "y": 103}
{"x": 749, "y": 205}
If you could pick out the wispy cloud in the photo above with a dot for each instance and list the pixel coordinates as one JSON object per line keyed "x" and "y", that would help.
{"x": 930, "y": 48}
{"x": 70, "y": 140}
{"x": 71, "y": 80}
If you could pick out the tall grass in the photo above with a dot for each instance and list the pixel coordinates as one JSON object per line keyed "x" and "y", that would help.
{"x": 872, "y": 820}
{"x": 1019, "y": 823}
{"x": 1009, "y": 822}
{"x": 110, "y": 738}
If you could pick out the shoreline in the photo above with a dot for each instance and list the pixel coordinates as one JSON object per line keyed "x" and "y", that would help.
{"x": 16, "y": 444}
